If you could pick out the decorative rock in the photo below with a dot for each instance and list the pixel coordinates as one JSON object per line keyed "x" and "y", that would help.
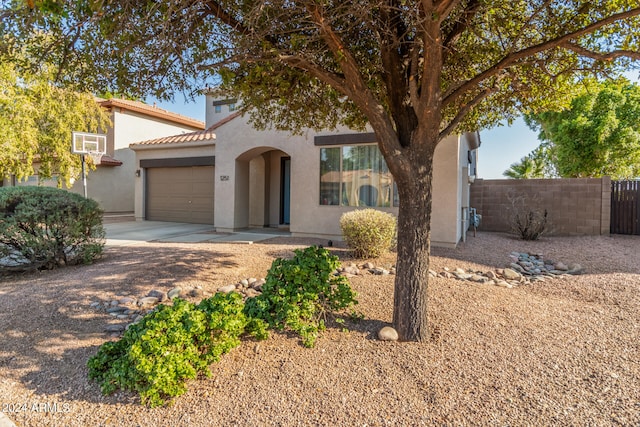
{"x": 161, "y": 295}
{"x": 504, "y": 284}
{"x": 250, "y": 293}
{"x": 244, "y": 282}
{"x": 252, "y": 280}
{"x": 147, "y": 301}
{"x": 174, "y": 293}
{"x": 95, "y": 304}
{"x": 127, "y": 300}
{"x": 479, "y": 279}
{"x": 196, "y": 293}
{"x": 388, "y": 334}
{"x": 368, "y": 266}
{"x": 379, "y": 271}
{"x": 118, "y": 309}
{"x": 575, "y": 269}
{"x": 491, "y": 275}
{"x": 115, "y": 328}
{"x": 114, "y": 303}
{"x": 510, "y": 274}
{"x": 560, "y": 266}
{"x": 432, "y": 273}
{"x": 227, "y": 289}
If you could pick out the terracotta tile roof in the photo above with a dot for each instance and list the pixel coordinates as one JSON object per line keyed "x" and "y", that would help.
{"x": 202, "y": 135}
{"x": 150, "y": 110}
{"x": 109, "y": 161}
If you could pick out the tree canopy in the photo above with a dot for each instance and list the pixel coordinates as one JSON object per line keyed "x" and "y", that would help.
{"x": 597, "y": 135}
{"x": 415, "y": 71}
{"x": 37, "y": 119}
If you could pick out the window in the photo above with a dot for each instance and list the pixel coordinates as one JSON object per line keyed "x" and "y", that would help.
{"x": 218, "y": 109}
{"x": 355, "y": 175}
{"x": 232, "y": 107}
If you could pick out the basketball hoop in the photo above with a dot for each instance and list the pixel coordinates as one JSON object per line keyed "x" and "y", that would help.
{"x": 88, "y": 144}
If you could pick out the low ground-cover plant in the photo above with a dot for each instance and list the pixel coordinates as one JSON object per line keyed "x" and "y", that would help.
{"x": 42, "y": 228}
{"x": 300, "y": 292}
{"x": 170, "y": 345}
{"x": 178, "y": 342}
{"x": 368, "y": 232}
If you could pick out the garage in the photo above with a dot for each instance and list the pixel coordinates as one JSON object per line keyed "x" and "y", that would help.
{"x": 180, "y": 194}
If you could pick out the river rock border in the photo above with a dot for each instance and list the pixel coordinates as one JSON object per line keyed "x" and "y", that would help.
{"x": 524, "y": 268}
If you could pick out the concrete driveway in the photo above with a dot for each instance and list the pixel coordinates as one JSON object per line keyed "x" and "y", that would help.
{"x": 132, "y": 232}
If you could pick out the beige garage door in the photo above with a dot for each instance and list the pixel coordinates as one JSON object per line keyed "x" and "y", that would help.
{"x": 180, "y": 194}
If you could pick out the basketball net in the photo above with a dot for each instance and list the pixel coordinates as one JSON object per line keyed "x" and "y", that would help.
{"x": 96, "y": 157}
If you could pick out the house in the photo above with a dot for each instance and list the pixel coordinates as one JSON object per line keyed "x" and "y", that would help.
{"x": 111, "y": 184}
{"x": 235, "y": 177}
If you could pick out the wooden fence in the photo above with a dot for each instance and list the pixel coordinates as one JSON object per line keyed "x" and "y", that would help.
{"x": 625, "y": 207}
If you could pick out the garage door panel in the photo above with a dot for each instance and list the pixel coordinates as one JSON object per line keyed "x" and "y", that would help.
{"x": 180, "y": 194}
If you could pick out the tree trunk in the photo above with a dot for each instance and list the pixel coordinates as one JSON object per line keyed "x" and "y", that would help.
{"x": 414, "y": 231}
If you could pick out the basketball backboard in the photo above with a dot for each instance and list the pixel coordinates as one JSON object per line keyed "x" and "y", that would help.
{"x": 89, "y": 143}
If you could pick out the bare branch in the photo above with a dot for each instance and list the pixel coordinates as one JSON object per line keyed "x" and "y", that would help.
{"x": 514, "y": 57}
{"x": 464, "y": 110}
{"x": 599, "y": 56}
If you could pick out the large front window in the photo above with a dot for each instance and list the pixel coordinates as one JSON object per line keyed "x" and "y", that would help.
{"x": 355, "y": 175}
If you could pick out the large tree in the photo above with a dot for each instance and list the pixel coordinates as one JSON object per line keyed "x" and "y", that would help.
{"x": 597, "y": 135}
{"x": 415, "y": 71}
{"x": 37, "y": 119}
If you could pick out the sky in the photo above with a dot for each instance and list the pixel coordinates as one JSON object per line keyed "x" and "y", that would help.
{"x": 500, "y": 148}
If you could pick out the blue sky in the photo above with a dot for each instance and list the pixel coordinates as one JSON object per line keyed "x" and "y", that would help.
{"x": 500, "y": 147}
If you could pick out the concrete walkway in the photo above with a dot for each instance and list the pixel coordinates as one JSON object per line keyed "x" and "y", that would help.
{"x": 132, "y": 232}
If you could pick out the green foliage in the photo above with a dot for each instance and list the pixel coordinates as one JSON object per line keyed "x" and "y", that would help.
{"x": 534, "y": 165}
{"x": 299, "y": 293}
{"x": 368, "y": 232}
{"x": 598, "y": 135}
{"x": 176, "y": 343}
{"x": 49, "y": 227}
{"x": 169, "y": 346}
{"x": 36, "y": 123}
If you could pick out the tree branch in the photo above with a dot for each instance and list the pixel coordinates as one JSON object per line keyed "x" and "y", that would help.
{"x": 464, "y": 110}
{"x": 512, "y": 58}
{"x": 599, "y": 56}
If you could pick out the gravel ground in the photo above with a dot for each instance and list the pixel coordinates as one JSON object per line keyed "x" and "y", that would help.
{"x": 562, "y": 352}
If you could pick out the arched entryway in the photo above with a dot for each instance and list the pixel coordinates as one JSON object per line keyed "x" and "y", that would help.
{"x": 262, "y": 188}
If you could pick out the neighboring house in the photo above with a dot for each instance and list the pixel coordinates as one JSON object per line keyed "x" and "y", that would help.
{"x": 234, "y": 177}
{"x": 112, "y": 183}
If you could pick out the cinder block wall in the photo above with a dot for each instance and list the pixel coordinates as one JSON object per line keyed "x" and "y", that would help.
{"x": 576, "y": 206}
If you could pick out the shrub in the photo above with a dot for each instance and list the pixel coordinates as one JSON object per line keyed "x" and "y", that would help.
{"x": 368, "y": 232}
{"x": 42, "y": 227}
{"x": 170, "y": 345}
{"x": 527, "y": 222}
{"x": 299, "y": 293}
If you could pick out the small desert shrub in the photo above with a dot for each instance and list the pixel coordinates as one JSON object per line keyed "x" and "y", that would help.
{"x": 42, "y": 227}
{"x": 526, "y": 221}
{"x": 299, "y": 293}
{"x": 368, "y": 232}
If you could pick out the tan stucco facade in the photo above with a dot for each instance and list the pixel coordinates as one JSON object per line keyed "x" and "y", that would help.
{"x": 249, "y": 179}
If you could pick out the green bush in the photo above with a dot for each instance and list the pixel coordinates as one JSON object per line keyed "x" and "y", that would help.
{"x": 173, "y": 344}
{"x": 368, "y": 232}
{"x": 170, "y": 345}
{"x": 299, "y": 293}
{"x": 42, "y": 228}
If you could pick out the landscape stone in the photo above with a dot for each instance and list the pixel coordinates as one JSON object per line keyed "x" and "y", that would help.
{"x": 115, "y": 328}
{"x": 388, "y": 334}
{"x": 161, "y": 295}
{"x": 250, "y": 293}
{"x": 227, "y": 289}
{"x": 196, "y": 293}
{"x": 244, "y": 282}
{"x": 560, "y": 266}
{"x": 174, "y": 293}
{"x": 146, "y": 301}
{"x": 510, "y": 274}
